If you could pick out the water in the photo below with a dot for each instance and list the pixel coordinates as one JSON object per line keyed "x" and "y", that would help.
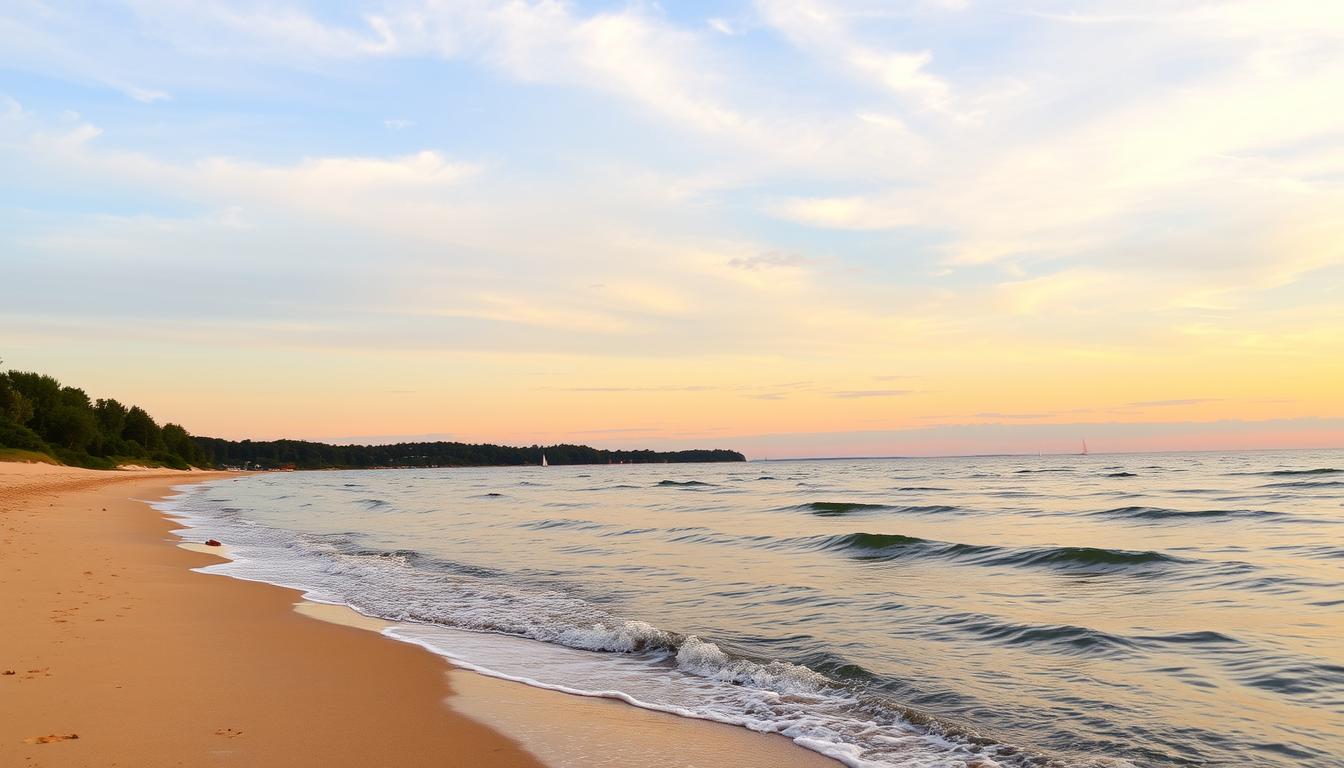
{"x": 1145, "y": 610}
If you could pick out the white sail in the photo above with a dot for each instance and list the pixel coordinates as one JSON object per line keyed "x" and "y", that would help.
{"x": 544, "y": 463}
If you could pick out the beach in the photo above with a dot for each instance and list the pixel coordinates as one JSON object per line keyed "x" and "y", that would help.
{"x": 122, "y": 655}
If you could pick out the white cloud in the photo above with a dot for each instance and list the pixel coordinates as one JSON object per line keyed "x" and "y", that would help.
{"x": 534, "y": 311}
{"x": 378, "y": 191}
{"x": 1240, "y": 154}
{"x": 13, "y": 111}
{"x": 823, "y": 30}
{"x": 629, "y": 53}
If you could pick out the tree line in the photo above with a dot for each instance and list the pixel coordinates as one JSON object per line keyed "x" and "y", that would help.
{"x": 301, "y": 454}
{"x": 39, "y": 414}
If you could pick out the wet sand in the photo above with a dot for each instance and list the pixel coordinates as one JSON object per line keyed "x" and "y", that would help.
{"x": 122, "y": 656}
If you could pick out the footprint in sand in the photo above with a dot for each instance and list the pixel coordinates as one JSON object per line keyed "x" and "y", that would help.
{"x": 229, "y": 733}
{"x": 49, "y": 738}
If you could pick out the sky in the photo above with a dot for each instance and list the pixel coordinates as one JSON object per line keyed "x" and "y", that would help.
{"x": 824, "y": 227}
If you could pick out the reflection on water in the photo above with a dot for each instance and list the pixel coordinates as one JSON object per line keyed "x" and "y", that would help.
{"x": 1159, "y": 609}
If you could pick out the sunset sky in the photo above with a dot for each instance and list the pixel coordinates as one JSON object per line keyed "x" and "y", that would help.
{"x": 792, "y": 228}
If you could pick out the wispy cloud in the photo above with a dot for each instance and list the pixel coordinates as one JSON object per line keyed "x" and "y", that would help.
{"x": 863, "y": 393}
{"x": 768, "y": 260}
{"x": 1171, "y": 403}
{"x": 721, "y": 25}
{"x": 658, "y": 388}
{"x": 822, "y": 29}
{"x": 143, "y": 95}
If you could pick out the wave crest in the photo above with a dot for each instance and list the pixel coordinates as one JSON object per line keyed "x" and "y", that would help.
{"x": 708, "y": 660}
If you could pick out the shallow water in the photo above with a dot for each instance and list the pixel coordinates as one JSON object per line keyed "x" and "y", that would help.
{"x": 1144, "y": 609}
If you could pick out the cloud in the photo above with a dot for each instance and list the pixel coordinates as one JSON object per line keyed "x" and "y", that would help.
{"x": 656, "y": 388}
{"x": 852, "y": 212}
{"x": 1054, "y": 176}
{"x": 768, "y": 260}
{"x": 1171, "y": 403}
{"x": 143, "y": 95}
{"x": 822, "y": 29}
{"x": 721, "y": 25}
{"x": 644, "y": 295}
{"x": 380, "y": 190}
{"x": 629, "y": 53}
{"x": 864, "y": 393}
{"x": 526, "y": 310}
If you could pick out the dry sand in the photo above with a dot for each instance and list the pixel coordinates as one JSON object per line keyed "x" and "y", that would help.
{"x": 123, "y": 656}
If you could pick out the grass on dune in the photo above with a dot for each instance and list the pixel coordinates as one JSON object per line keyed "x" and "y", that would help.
{"x": 28, "y": 457}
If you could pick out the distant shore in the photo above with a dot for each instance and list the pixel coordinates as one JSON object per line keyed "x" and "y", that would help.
{"x": 121, "y": 654}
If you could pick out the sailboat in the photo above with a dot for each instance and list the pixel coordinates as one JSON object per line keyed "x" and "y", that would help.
{"x": 544, "y": 463}
{"x": 1084, "y": 453}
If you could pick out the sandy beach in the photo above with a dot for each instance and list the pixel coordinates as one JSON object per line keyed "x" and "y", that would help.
{"x": 114, "y": 652}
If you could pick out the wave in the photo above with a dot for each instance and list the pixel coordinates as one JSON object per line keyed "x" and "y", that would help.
{"x": 1090, "y": 556}
{"x": 1163, "y": 513}
{"x": 1295, "y": 472}
{"x": 1037, "y": 471}
{"x": 630, "y": 532}
{"x": 837, "y": 508}
{"x": 579, "y": 525}
{"x": 1307, "y": 484}
{"x": 1058, "y": 638}
{"x": 894, "y": 546}
{"x": 683, "y": 483}
{"x": 403, "y": 556}
{"x": 921, "y": 488}
{"x": 1072, "y": 640}
{"x": 1121, "y": 474}
{"x": 872, "y": 542}
{"x": 1318, "y": 551}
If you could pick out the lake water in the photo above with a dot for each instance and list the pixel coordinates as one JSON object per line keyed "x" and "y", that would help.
{"x": 1138, "y": 609}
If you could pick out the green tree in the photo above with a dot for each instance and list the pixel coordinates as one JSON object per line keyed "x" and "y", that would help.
{"x": 142, "y": 429}
{"x": 42, "y": 392}
{"x": 177, "y": 442}
{"x": 72, "y": 427}
{"x": 14, "y": 407}
{"x": 111, "y": 416}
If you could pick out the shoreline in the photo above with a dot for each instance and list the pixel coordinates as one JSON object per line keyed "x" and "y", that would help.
{"x": 124, "y": 654}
